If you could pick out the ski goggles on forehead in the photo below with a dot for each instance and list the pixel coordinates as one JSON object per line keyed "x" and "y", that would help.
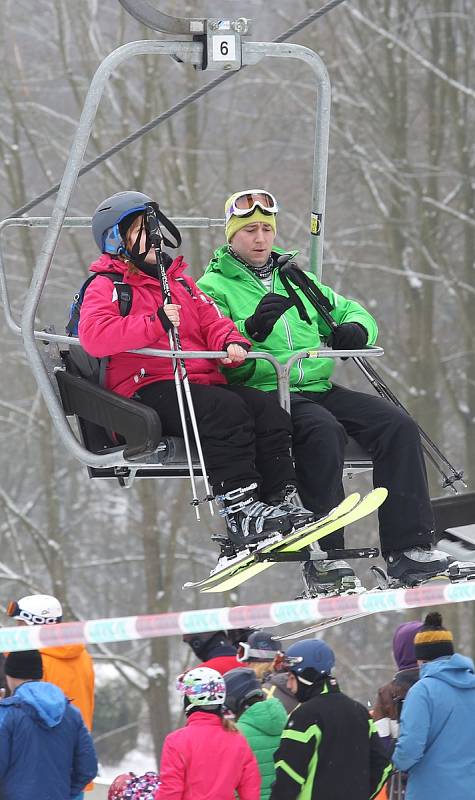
{"x": 245, "y": 203}
{"x": 283, "y": 663}
{"x": 14, "y": 610}
{"x": 246, "y": 653}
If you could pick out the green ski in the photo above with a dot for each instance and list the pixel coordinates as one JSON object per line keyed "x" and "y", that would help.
{"x": 297, "y": 541}
{"x": 247, "y": 558}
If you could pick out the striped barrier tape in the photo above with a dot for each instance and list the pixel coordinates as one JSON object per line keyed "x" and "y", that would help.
{"x": 122, "y": 629}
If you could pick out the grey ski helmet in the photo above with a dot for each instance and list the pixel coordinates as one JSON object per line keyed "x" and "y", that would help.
{"x": 242, "y": 685}
{"x": 108, "y": 215}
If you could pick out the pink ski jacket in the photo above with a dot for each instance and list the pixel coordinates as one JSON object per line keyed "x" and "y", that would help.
{"x": 203, "y": 761}
{"x": 103, "y": 332}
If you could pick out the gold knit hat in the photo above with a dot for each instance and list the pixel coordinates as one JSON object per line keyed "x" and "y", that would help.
{"x": 433, "y": 640}
{"x": 234, "y": 222}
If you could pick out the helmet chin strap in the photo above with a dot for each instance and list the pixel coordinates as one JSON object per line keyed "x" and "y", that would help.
{"x": 134, "y": 255}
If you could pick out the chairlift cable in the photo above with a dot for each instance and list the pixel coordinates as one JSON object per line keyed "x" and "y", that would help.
{"x": 191, "y": 98}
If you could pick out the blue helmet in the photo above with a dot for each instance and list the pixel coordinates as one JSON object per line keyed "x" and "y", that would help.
{"x": 109, "y": 214}
{"x": 310, "y": 654}
{"x": 242, "y": 685}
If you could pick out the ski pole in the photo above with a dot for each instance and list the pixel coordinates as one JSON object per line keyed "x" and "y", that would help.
{"x": 288, "y": 271}
{"x": 385, "y": 391}
{"x": 179, "y": 367}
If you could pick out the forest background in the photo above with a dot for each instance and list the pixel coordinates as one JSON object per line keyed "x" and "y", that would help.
{"x": 400, "y": 237}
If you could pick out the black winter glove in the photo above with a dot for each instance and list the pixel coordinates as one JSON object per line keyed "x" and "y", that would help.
{"x": 267, "y": 312}
{"x": 348, "y": 336}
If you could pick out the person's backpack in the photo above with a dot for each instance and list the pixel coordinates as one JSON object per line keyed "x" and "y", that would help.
{"x": 78, "y": 361}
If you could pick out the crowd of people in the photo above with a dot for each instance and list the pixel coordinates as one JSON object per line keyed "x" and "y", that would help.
{"x": 261, "y": 723}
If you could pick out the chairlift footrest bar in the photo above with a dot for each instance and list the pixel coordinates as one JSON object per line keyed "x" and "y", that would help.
{"x": 317, "y": 555}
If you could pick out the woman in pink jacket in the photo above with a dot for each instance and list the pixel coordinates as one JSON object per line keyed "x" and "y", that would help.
{"x": 208, "y": 759}
{"x": 244, "y": 432}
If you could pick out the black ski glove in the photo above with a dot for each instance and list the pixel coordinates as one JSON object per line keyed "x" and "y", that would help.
{"x": 348, "y": 336}
{"x": 268, "y": 310}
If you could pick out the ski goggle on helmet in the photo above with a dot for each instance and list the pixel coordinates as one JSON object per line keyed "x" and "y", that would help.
{"x": 36, "y": 609}
{"x": 244, "y": 203}
{"x": 202, "y": 686}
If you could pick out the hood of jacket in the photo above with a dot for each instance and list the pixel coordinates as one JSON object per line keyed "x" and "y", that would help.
{"x": 43, "y": 702}
{"x": 456, "y": 670}
{"x": 108, "y": 264}
{"x": 403, "y": 644}
{"x": 267, "y": 716}
{"x": 66, "y": 652}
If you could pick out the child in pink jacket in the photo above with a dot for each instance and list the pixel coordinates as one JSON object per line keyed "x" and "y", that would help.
{"x": 208, "y": 759}
{"x": 245, "y": 434}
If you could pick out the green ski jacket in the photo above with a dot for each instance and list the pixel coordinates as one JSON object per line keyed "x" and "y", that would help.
{"x": 262, "y": 725}
{"x": 237, "y": 291}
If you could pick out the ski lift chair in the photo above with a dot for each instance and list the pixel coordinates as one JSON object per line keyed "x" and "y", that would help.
{"x": 136, "y": 447}
{"x": 125, "y": 431}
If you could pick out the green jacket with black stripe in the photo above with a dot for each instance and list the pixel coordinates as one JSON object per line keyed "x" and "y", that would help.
{"x": 329, "y": 750}
{"x": 237, "y": 291}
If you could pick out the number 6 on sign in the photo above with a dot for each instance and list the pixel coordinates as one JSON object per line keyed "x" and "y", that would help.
{"x": 224, "y": 48}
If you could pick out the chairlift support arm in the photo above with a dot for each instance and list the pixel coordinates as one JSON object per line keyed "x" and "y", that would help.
{"x": 148, "y": 15}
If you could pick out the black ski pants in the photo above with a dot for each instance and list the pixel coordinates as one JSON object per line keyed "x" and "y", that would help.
{"x": 322, "y": 422}
{"x": 245, "y": 434}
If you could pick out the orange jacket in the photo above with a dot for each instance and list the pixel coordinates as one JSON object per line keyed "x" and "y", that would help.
{"x": 70, "y": 667}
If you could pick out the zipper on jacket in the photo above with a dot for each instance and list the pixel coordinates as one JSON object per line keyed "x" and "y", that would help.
{"x": 288, "y": 333}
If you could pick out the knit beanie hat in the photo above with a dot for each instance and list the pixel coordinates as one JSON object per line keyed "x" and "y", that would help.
{"x": 433, "y": 640}
{"x": 25, "y": 665}
{"x": 234, "y": 224}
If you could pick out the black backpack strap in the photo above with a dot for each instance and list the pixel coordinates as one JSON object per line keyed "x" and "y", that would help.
{"x": 72, "y": 325}
{"x": 124, "y": 290}
{"x": 185, "y": 285}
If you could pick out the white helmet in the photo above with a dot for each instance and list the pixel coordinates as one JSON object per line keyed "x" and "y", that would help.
{"x": 36, "y": 609}
{"x": 202, "y": 686}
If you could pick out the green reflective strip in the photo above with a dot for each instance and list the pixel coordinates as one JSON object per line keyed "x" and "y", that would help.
{"x": 383, "y": 780}
{"x": 307, "y": 790}
{"x": 303, "y": 736}
{"x": 290, "y": 772}
{"x": 325, "y": 689}
{"x": 372, "y": 727}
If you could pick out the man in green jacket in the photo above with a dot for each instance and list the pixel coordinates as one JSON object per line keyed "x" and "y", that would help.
{"x": 261, "y": 721}
{"x": 247, "y": 284}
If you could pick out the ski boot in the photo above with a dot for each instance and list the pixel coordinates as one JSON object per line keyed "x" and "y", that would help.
{"x": 249, "y": 520}
{"x": 416, "y": 565}
{"x": 286, "y": 500}
{"x": 323, "y": 577}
